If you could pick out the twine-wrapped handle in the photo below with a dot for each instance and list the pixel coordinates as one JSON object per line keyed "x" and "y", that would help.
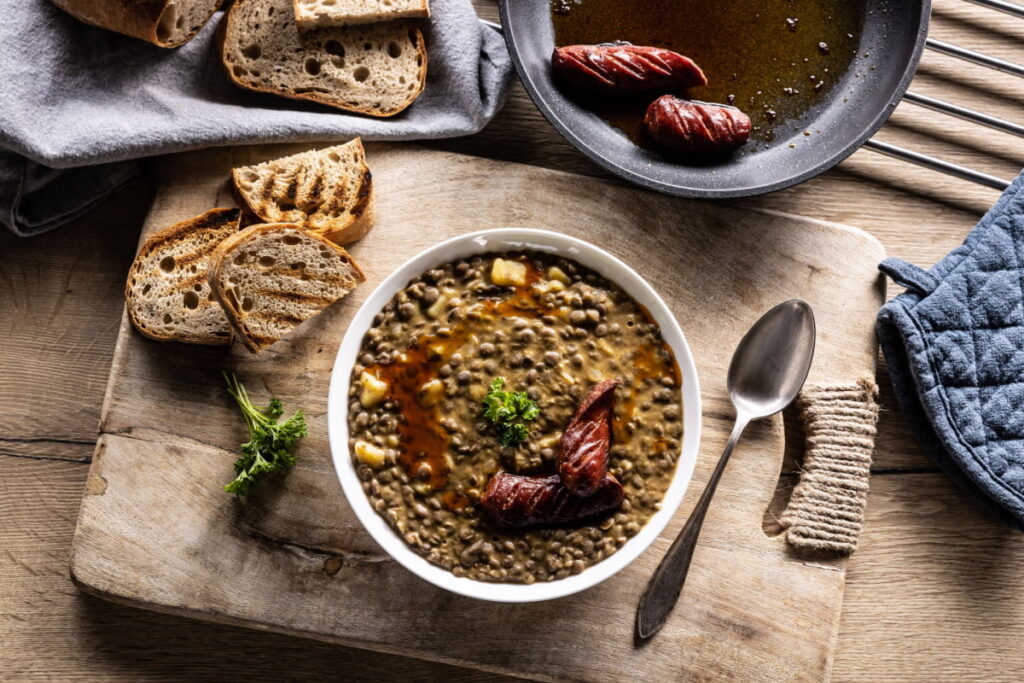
{"x": 826, "y": 511}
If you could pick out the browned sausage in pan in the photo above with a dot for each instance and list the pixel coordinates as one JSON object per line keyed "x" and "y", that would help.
{"x": 688, "y": 126}
{"x": 621, "y": 68}
{"x": 583, "y": 449}
{"x": 514, "y": 500}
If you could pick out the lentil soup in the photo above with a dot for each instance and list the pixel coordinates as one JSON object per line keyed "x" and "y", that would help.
{"x": 548, "y": 327}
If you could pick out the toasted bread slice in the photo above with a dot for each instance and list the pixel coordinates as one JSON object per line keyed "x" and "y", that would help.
{"x": 328, "y": 191}
{"x": 167, "y": 293}
{"x": 312, "y": 14}
{"x": 167, "y": 23}
{"x": 269, "y": 278}
{"x": 375, "y": 69}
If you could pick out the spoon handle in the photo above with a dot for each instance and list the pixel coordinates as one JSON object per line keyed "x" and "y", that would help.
{"x": 664, "y": 587}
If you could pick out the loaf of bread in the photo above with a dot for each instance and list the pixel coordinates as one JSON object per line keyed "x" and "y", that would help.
{"x": 167, "y": 23}
{"x": 375, "y": 69}
{"x": 167, "y": 294}
{"x": 269, "y": 278}
{"x": 328, "y": 191}
{"x": 311, "y": 14}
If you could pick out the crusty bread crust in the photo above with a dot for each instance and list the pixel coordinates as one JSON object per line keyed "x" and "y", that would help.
{"x": 339, "y": 17}
{"x": 232, "y": 25}
{"x": 230, "y": 304}
{"x": 136, "y": 18}
{"x": 213, "y": 217}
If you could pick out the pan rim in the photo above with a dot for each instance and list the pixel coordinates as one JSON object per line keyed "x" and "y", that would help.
{"x": 855, "y": 143}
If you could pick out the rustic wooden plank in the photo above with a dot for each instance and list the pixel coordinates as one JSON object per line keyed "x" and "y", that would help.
{"x": 934, "y": 591}
{"x": 169, "y": 439}
{"x": 52, "y": 631}
{"x": 925, "y": 571}
{"x": 60, "y": 303}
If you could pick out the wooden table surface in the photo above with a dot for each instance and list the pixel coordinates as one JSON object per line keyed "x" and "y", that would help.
{"x": 932, "y": 594}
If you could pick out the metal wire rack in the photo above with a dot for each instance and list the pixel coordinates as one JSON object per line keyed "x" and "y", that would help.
{"x": 941, "y": 165}
{"x": 934, "y": 163}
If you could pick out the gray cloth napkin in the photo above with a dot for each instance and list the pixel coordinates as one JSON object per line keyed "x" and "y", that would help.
{"x": 78, "y": 104}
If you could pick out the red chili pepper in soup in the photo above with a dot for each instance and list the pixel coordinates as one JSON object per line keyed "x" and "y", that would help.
{"x": 587, "y": 439}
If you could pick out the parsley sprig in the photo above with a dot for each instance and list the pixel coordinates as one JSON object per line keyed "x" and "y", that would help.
{"x": 270, "y": 442}
{"x": 508, "y": 410}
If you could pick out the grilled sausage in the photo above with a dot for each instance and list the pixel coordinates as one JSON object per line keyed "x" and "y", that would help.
{"x": 621, "y": 68}
{"x": 583, "y": 450}
{"x": 514, "y": 500}
{"x": 687, "y": 126}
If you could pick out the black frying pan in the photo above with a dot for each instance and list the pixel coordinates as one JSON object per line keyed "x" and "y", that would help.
{"x": 895, "y": 31}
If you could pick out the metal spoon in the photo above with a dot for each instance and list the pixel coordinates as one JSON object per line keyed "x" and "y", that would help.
{"x": 767, "y": 370}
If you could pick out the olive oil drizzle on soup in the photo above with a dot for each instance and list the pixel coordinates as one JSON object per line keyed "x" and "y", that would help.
{"x": 550, "y": 328}
{"x": 774, "y": 59}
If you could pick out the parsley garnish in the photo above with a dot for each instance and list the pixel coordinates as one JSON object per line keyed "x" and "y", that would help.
{"x": 269, "y": 446}
{"x": 508, "y": 410}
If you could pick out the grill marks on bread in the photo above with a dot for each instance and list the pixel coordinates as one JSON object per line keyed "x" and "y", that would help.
{"x": 375, "y": 69}
{"x": 328, "y": 191}
{"x": 202, "y": 280}
{"x": 296, "y": 297}
{"x": 271, "y": 278}
{"x": 167, "y": 294}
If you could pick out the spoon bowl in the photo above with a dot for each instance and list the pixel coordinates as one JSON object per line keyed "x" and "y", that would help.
{"x": 772, "y": 360}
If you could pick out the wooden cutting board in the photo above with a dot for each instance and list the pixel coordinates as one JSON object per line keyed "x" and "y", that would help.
{"x": 157, "y": 531}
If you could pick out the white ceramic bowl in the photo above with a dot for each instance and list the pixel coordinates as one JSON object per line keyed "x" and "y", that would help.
{"x": 488, "y": 241}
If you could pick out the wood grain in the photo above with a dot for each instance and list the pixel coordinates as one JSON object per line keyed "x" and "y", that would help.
{"x": 917, "y": 574}
{"x": 156, "y": 531}
{"x": 903, "y": 630}
{"x": 933, "y": 593}
{"x": 60, "y": 303}
{"x": 53, "y": 631}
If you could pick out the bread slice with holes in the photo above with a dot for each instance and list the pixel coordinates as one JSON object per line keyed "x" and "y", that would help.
{"x": 376, "y": 69}
{"x": 167, "y": 293}
{"x": 270, "y": 278}
{"x": 167, "y": 23}
{"x": 313, "y": 14}
{"x": 328, "y": 191}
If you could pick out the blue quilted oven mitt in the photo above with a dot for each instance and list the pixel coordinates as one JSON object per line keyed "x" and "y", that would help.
{"x": 954, "y": 344}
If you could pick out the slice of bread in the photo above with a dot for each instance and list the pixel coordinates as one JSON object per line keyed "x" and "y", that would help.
{"x": 167, "y": 23}
{"x": 269, "y": 278}
{"x": 376, "y": 69}
{"x": 328, "y": 191}
{"x": 167, "y": 294}
{"x": 311, "y": 14}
